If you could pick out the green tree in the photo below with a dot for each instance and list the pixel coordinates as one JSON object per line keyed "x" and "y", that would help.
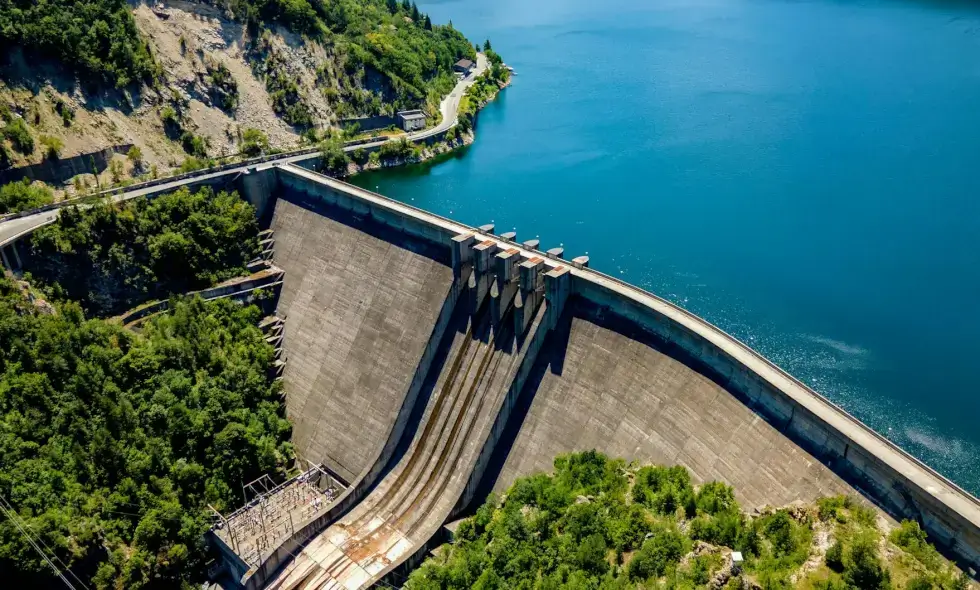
{"x": 52, "y": 146}
{"x": 863, "y": 568}
{"x": 23, "y": 196}
{"x": 664, "y": 549}
{"x": 107, "y": 444}
{"x": 254, "y": 142}
{"x": 110, "y": 257}
{"x": 20, "y": 137}
{"x": 334, "y": 158}
{"x": 97, "y": 38}
{"x": 135, "y": 155}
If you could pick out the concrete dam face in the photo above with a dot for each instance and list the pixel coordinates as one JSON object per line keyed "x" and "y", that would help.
{"x": 428, "y": 362}
{"x": 359, "y": 309}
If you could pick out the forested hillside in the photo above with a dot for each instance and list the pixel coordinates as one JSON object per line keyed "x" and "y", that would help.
{"x": 601, "y": 524}
{"x": 112, "y": 444}
{"x": 188, "y": 82}
{"x": 110, "y": 258}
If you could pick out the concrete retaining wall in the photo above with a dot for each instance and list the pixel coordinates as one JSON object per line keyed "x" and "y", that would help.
{"x": 63, "y": 169}
{"x": 260, "y": 280}
{"x": 369, "y": 123}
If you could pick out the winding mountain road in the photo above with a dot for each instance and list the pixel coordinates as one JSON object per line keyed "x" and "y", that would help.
{"x": 13, "y": 228}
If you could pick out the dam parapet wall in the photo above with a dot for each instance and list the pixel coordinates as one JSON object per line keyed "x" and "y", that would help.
{"x": 899, "y": 483}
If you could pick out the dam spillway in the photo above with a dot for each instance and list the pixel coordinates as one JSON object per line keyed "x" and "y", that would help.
{"x": 417, "y": 496}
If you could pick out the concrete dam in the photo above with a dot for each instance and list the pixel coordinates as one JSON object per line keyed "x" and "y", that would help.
{"x": 427, "y": 362}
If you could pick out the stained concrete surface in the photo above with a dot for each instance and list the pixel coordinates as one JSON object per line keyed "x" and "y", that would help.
{"x": 417, "y": 495}
{"x": 360, "y": 305}
{"x": 602, "y": 383}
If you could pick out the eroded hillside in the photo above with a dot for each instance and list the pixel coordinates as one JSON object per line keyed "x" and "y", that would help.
{"x": 291, "y": 69}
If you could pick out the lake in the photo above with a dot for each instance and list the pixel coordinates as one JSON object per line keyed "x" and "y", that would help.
{"x": 804, "y": 174}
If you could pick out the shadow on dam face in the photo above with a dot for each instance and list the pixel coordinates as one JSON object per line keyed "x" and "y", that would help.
{"x": 602, "y": 382}
{"x": 360, "y": 301}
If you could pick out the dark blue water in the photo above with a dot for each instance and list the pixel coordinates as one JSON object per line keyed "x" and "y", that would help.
{"x": 806, "y": 175}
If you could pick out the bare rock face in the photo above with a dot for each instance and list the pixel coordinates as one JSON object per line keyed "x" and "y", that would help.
{"x": 44, "y": 308}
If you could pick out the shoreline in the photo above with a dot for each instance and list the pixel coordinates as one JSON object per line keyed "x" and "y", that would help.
{"x": 430, "y": 151}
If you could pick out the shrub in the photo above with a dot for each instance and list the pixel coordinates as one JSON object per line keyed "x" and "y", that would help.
{"x": 863, "y": 569}
{"x": 835, "y": 557}
{"x": 19, "y": 135}
{"x": 254, "y": 142}
{"x": 779, "y": 531}
{"x": 169, "y": 116}
{"x": 360, "y": 156}
{"x": 591, "y": 555}
{"x": 116, "y": 170}
{"x": 334, "y": 158}
{"x": 6, "y": 160}
{"x": 714, "y": 497}
{"x": 665, "y": 490}
{"x": 135, "y": 155}
{"x": 627, "y": 529}
{"x": 726, "y": 529}
{"x": 52, "y": 146}
{"x": 919, "y": 583}
{"x": 193, "y": 144}
{"x": 910, "y": 537}
{"x": 659, "y": 552}
{"x": 22, "y": 196}
{"x": 224, "y": 88}
{"x": 396, "y": 150}
{"x": 830, "y": 508}
{"x": 191, "y": 164}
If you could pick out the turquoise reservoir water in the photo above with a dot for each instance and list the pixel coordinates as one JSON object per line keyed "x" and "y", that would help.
{"x": 806, "y": 175}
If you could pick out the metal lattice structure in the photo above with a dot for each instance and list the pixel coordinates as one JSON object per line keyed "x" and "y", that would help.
{"x": 273, "y": 511}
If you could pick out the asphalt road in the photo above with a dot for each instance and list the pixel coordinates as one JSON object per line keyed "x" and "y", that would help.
{"x": 12, "y": 229}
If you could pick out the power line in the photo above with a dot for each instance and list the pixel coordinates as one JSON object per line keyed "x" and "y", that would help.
{"x": 13, "y": 518}
{"x": 49, "y": 549}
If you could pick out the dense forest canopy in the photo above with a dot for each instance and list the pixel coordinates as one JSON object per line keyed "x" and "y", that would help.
{"x": 92, "y": 37}
{"x": 600, "y": 524}
{"x": 113, "y": 443}
{"x": 110, "y": 257}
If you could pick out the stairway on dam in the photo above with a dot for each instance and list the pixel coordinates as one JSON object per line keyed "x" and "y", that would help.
{"x": 420, "y": 492}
